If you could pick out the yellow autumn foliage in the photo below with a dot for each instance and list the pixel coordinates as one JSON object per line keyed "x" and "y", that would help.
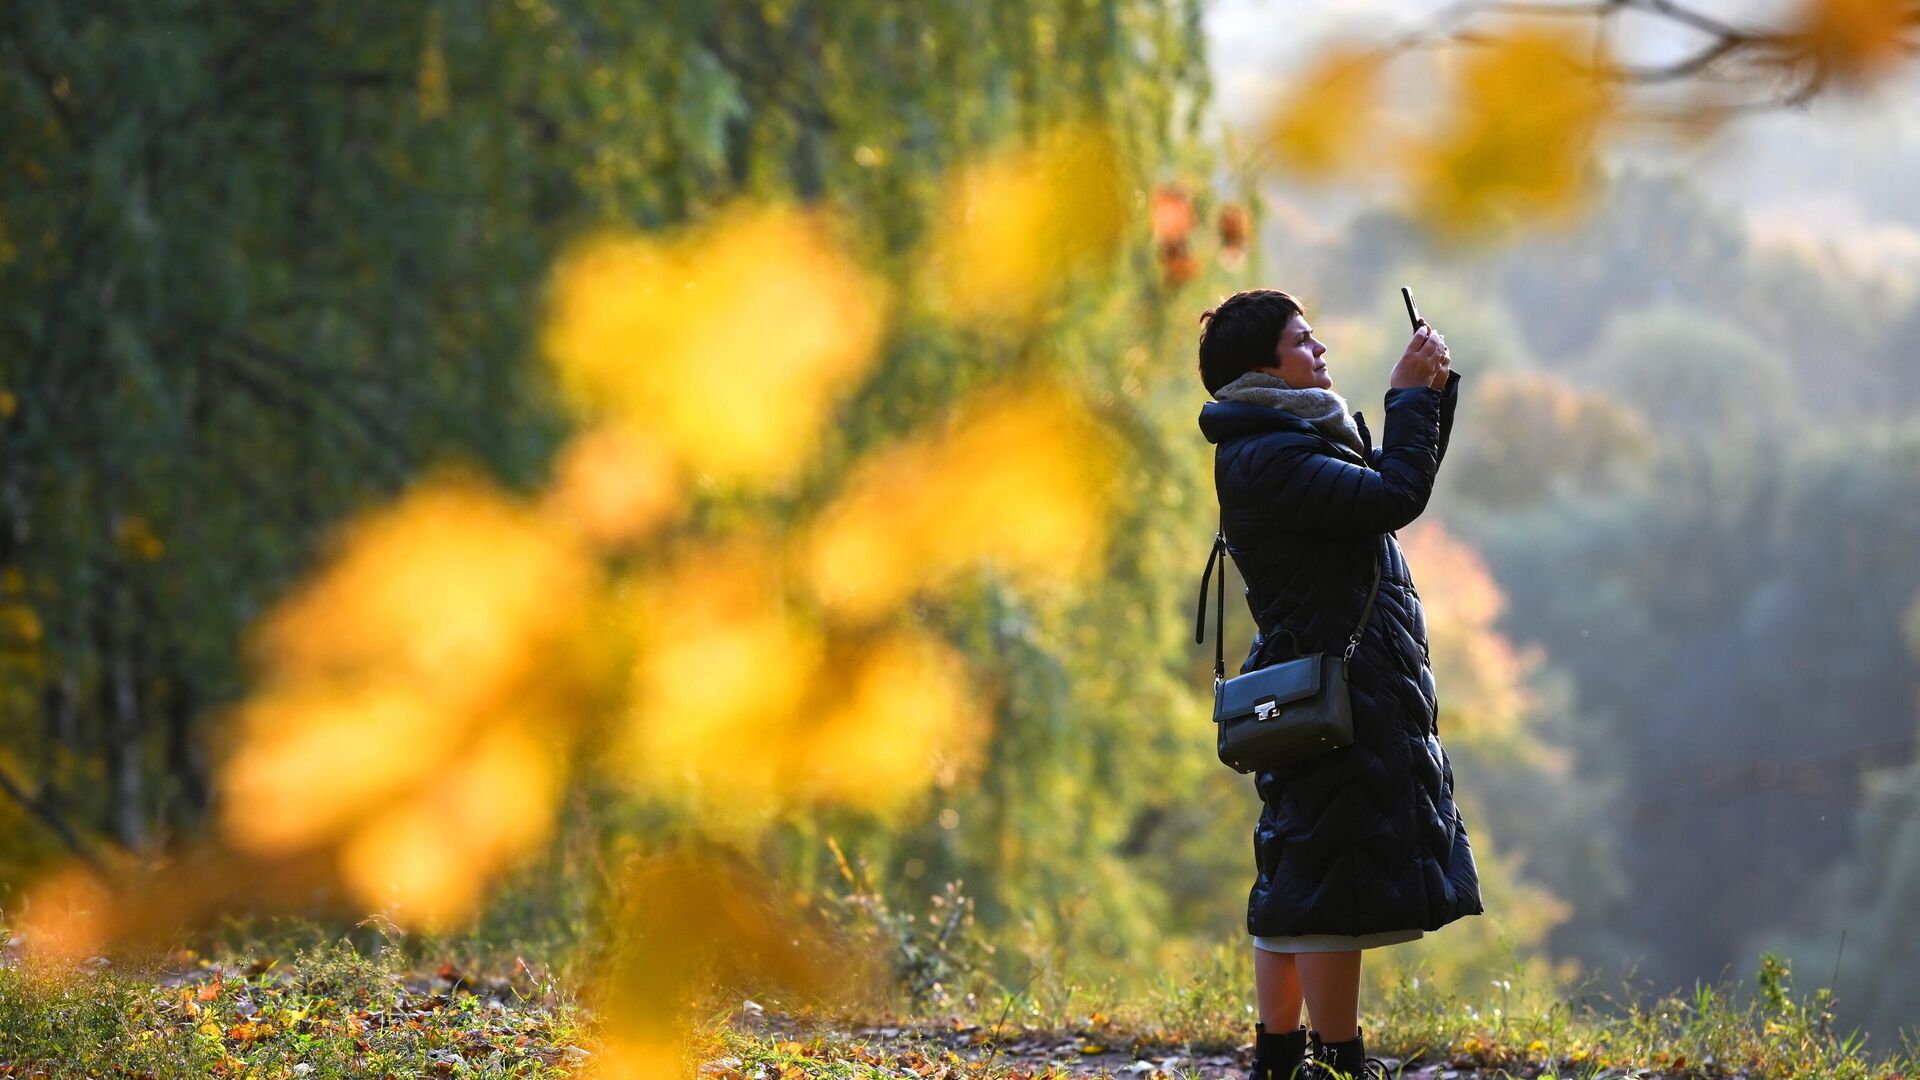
{"x": 410, "y": 695}
{"x": 614, "y": 484}
{"x": 1483, "y": 676}
{"x": 451, "y": 591}
{"x": 864, "y": 719}
{"x": 65, "y": 917}
{"x": 427, "y": 854}
{"x": 1015, "y": 480}
{"x": 419, "y": 701}
{"x": 729, "y": 342}
{"x": 1328, "y": 123}
{"x": 904, "y": 716}
{"x": 690, "y": 912}
{"x": 1525, "y": 114}
{"x": 1856, "y": 40}
{"x": 1015, "y": 228}
{"x": 698, "y": 734}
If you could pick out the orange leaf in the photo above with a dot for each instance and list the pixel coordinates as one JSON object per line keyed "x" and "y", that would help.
{"x": 1527, "y": 114}
{"x": 1321, "y": 127}
{"x": 1856, "y": 39}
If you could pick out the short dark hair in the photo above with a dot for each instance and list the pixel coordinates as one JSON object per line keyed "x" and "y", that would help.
{"x": 1240, "y": 334}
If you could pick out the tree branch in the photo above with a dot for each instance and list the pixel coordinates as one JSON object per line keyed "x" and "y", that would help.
{"x": 52, "y": 820}
{"x": 1756, "y": 54}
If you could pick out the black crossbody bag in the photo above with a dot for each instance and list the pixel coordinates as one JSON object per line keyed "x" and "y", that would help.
{"x": 1285, "y": 712}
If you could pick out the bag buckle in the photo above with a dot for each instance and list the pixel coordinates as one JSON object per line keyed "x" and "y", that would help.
{"x": 1265, "y": 710}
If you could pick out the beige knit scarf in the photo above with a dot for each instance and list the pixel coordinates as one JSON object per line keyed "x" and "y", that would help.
{"x": 1321, "y": 407}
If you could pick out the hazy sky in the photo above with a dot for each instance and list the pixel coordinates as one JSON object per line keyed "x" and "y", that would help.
{"x": 1841, "y": 170}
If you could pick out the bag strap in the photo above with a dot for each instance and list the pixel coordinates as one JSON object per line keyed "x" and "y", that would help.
{"x": 1219, "y": 555}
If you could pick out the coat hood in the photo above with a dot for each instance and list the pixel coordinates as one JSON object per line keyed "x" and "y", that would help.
{"x": 1223, "y": 420}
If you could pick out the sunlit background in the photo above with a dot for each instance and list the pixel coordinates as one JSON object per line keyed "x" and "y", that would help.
{"x": 559, "y": 480}
{"x": 1688, "y": 475}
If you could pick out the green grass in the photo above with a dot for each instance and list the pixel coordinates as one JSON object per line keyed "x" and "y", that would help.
{"x": 330, "y": 1011}
{"x": 288, "y": 1001}
{"x": 325, "y": 1012}
{"x": 1508, "y": 1034}
{"x": 1768, "y": 1030}
{"x": 1712, "y": 1031}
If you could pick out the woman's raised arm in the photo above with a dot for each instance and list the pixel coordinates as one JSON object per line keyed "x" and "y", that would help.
{"x": 1312, "y": 492}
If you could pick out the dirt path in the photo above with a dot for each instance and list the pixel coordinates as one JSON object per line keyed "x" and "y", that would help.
{"x": 960, "y": 1049}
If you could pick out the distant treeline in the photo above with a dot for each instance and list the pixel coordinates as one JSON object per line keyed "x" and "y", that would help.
{"x": 1692, "y": 463}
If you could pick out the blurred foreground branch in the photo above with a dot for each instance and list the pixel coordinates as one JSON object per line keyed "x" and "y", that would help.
{"x": 1764, "y": 66}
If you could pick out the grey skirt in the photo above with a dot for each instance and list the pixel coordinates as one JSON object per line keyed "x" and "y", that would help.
{"x": 1334, "y": 942}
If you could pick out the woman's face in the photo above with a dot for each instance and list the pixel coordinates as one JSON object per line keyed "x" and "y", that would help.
{"x": 1297, "y": 359}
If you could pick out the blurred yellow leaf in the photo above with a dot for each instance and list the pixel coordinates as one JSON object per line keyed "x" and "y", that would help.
{"x": 1017, "y": 480}
{"x": 1015, "y": 228}
{"x": 864, "y": 719}
{"x": 398, "y": 695}
{"x": 1322, "y": 126}
{"x": 700, "y": 914}
{"x": 1526, "y": 114}
{"x": 312, "y": 762}
{"x": 624, "y": 1057}
{"x": 901, "y": 715}
{"x": 450, "y": 592}
{"x": 614, "y": 484}
{"x": 725, "y": 667}
{"x": 730, "y": 342}
{"x": 64, "y": 918}
{"x": 409, "y": 863}
{"x": 423, "y": 860}
{"x": 1858, "y": 39}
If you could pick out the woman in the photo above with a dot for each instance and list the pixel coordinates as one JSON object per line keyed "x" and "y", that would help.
{"x": 1360, "y": 847}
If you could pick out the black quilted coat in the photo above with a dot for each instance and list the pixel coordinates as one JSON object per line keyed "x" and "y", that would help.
{"x": 1364, "y": 838}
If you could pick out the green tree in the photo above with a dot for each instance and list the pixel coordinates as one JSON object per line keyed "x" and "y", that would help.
{"x": 1696, "y": 379}
{"x": 266, "y": 262}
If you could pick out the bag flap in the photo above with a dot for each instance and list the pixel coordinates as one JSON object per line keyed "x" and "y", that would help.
{"x": 1289, "y": 680}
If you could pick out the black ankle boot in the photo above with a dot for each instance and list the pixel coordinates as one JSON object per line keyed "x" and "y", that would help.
{"x": 1348, "y": 1060}
{"x": 1278, "y": 1055}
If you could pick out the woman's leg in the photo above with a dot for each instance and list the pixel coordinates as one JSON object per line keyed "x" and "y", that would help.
{"x": 1276, "y": 983}
{"x": 1331, "y": 981}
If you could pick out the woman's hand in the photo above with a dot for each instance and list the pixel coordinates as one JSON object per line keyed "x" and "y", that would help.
{"x": 1424, "y": 363}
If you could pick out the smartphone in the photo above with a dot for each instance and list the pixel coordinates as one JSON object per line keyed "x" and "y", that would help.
{"x": 1413, "y": 313}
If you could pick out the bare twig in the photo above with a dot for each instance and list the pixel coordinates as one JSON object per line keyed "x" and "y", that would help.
{"x": 1785, "y": 60}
